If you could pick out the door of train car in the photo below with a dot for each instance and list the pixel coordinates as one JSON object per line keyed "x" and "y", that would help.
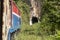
{"x": 16, "y": 19}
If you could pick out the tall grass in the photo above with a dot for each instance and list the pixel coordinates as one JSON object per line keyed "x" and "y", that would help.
{"x": 38, "y": 31}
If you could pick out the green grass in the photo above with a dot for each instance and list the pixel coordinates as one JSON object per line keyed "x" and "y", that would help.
{"x": 28, "y": 32}
{"x": 38, "y": 31}
{"x": 22, "y": 36}
{"x": 58, "y": 38}
{"x": 27, "y": 37}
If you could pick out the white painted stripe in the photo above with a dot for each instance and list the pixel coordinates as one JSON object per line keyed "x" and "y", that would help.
{"x": 15, "y": 14}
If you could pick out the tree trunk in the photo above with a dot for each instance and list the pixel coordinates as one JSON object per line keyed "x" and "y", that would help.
{"x": 35, "y": 11}
{"x": 36, "y": 7}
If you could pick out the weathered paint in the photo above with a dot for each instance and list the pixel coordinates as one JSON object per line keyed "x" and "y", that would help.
{"x": 11, "y": 19}
{"x": 6, "y": 20}
{"x": 16, "y": 20}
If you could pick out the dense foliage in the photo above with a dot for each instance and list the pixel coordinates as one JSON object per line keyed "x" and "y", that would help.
{"x": 49, "y": 26}
{"x": 51, "y": 16}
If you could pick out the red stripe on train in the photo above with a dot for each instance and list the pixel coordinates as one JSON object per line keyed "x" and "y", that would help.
{"x": 15, "y": 9}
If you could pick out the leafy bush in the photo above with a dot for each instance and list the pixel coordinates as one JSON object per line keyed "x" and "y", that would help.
{"x": 49, "y": 24}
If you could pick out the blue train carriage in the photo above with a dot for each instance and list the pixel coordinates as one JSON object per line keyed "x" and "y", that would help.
{"x": 16, "y": 19}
